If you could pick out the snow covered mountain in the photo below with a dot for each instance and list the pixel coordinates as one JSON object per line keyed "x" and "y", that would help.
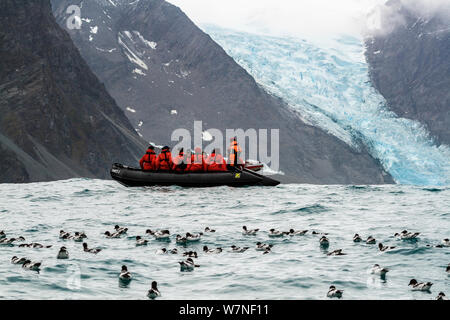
{"x": 164, "y": 72}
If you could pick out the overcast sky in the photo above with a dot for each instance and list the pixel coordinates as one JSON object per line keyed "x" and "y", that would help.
{"x": 281, "y": 17}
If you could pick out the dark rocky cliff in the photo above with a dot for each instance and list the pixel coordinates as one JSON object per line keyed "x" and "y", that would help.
{"x": 153, "y": 60}
{"x": 410, "y": 64}
{"x": 56, "y": 119}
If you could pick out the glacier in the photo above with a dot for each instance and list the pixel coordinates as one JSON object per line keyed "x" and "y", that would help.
{"x": 327, "y": 84}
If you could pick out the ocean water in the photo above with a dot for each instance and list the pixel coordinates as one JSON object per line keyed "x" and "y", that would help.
{"x": 295, "y": 269}
{"x": 327, "y": 82}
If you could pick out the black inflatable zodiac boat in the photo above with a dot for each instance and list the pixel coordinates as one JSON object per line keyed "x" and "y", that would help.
{"x": 133, "y": 177}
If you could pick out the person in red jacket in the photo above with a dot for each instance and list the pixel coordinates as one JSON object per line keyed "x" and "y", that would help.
{"x": 180, "y": 162}
{"x": 164, "y": 160}
{"x": 198, "y": 161}
{"x": 147, "y": 162}
{"x": 216, "y": 162}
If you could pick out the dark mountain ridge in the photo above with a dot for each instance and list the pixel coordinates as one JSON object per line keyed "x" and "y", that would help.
{"x": 410, "y": 64}
{"x": 57, "y": 120}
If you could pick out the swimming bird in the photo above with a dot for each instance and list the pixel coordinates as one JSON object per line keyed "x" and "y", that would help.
{"x": 334, "y": 293}
{"x": 357, "y": 238}
{"x": 446, "y": 242}
{"x": 435, "y": 246}
{"x": 238, "y": 249}
{"x": 164, "y": 251}
{"x": 112, "y": 235}
{"x": 125, "y": 275}
{"x": 377, "y": 269}
{"x": 337, "y": 252}
{"x": 34, "y": 245}
{"x": 193, "y": 237}
{"x": 441, "y": 296}
{"x": 150, "y": 232}
{"x": 292, "y": 232}
{"x": 63, "y": 253}
{"x": 249, "y": 232}
{"x": 180, "y": 239}
{"x": 384, "y": 248}
{"x": 161, "y": 235}
{"x": 420, "y": 286}
{"x": 8, "y": 241}
{"x": 263, "y": 247}
{"x": 2, "y": 234}
{"x": 29, "y": 265}
{"x": 140, "y": 241}
{"x": 92, "y": 250}
{"x": 324, "y": 242}
{"x": 64, "y": 235}
{"x": 120, "y": 230}
{"x": 16, "y": 260}
{"x": 191, "y": 254}
{"x": 371, "y": 240}
{"x": 207, "y": 250}
{"x": 448, "y": 269}
{"x": 318, "y": 233}
{"x": 78, "y": 237}
{"x": 188, "y": 265}
{"x": 208, "y": 229}
{"x": 275, "y": 233}
{"x": 153, "y": 292}
{"x": 405, "y": 235}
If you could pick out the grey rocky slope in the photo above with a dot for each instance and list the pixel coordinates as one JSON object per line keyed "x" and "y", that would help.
{"x": 410, "y": 63}
{"x": 57, "y": 120}
{"x": 155, "y": 61}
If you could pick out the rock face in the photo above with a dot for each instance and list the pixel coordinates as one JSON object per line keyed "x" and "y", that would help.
{"x": 165, "y": 73}
{"x": 410, "y": 64}
{"x": 57, "y": 120}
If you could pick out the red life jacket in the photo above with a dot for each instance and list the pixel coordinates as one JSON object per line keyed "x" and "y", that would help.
{"x": 198, "y": 163}
{"x": 164, "y": 161}
{"x": 147, "y": 162}
{"x": 216, "y": 163}
{"x": 180, "y": 163}
{"x": 234, "y": 154}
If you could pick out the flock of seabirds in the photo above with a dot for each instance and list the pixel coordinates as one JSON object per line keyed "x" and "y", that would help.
{"x": 125, "y": 276}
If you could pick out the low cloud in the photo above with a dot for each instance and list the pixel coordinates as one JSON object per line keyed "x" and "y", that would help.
{"x": 386, "y": 17}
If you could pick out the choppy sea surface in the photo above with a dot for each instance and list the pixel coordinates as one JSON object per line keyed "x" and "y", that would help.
{"x": 297, "y": 268}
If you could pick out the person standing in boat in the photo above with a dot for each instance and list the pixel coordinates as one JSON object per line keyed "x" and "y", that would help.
{"x": 147, "y": 162}
{"x": 216, "y": 162}
{"x": 164, "y": 160}
{"x": 198, "y": 161}
{"x": 234, "y": 154}
{"x": 180, "y": 162}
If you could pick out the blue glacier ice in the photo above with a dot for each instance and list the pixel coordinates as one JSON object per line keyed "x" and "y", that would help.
{"x": 328, "y": 83}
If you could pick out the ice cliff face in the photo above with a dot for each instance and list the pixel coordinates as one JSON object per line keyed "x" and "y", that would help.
{"x": 164, "y": 72}
{"x": 57, "y": 120}
{"x": 328, "y": 85}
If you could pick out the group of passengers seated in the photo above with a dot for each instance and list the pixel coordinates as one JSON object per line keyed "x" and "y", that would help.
{"x": 198, "y": 161}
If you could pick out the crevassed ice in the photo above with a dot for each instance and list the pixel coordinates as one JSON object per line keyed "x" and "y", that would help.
{"x": 329, "y": 86}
